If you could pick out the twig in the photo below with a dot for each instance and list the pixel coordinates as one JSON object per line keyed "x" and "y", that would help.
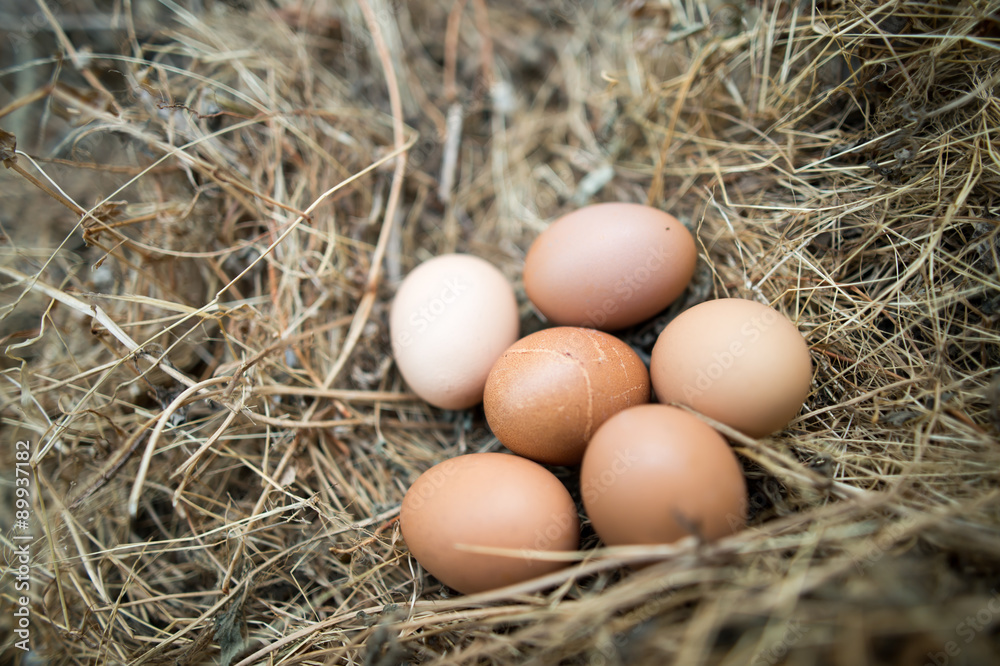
{"x": 161, "y": 423}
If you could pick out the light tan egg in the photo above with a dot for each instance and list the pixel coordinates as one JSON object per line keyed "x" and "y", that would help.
{"x": 451, "y": 319}
{"x": 739, "y": 361}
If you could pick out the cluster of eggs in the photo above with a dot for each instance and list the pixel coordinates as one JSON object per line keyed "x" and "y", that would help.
{"x": 575, "y": 394}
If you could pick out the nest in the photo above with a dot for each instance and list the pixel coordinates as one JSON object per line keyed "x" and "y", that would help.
{"x": 207, "y": 210}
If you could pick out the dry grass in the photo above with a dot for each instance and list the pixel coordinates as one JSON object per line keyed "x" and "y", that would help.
{"x": 196, "y": 335}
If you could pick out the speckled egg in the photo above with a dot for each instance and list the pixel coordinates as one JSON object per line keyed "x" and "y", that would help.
{"x": 550, "y": 391}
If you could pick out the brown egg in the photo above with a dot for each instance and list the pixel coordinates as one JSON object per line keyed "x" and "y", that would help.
{"x": 550, "y": 391}
{"x": 609, "y": 265}
{"x": 451, "y": 319}
{"x": 737, "y": 361}
{"x": 490, "y": 500}
{"x": 654, "y": 474}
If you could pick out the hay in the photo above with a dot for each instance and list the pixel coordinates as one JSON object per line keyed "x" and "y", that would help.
{"x": 203, "y": 340}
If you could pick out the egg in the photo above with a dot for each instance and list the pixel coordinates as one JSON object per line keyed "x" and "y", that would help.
{"x": 548, "y": 392}
{"x": 738, "y": 361}
{"x": 490, "y": 500}
{"x": 609, "y": 265}
{"x": 654, "y": 474}
{"x": 451, "y": 319}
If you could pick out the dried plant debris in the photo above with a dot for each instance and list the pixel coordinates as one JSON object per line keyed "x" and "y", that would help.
{"x": 207, "y": 218}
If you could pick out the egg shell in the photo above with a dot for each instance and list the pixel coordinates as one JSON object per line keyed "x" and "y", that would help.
{"x": 492, "y": 500}
{"x": 549, "y": 391}
{"x": 451, "y": 319}
{"x": 654, "y": 474}
{"x": 738, "y": 361}
{"x": 609, "y": 265}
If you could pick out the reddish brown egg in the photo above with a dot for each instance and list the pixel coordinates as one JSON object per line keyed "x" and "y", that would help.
{"x": 491, "y": 500}
{"x": 738, "y": 361}
{"x": 654, "y": 474}
{"x": 609, "y": 265}
{"x": 549, "y": 392}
